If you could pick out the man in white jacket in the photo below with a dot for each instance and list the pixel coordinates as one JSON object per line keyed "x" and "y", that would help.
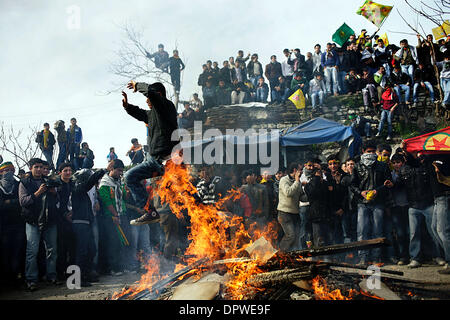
{"x": 288, "y": 207}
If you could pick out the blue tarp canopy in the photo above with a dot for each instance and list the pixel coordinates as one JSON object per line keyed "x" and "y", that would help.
{"x": 321, "y": 130}
{"x": 316, "y": 131}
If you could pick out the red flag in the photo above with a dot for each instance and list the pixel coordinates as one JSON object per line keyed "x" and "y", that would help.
{"x": 430, "y": 143}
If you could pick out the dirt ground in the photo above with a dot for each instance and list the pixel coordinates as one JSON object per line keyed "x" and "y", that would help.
{"x": 108, "y": 285}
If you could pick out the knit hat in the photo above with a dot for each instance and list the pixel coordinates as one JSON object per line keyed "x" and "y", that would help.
{"x": 6, "y": 165}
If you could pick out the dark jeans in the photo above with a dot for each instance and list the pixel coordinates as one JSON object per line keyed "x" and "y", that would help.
{"x": 74, "y": 148}
{"x": 349, "y": 225}
{"x": 148, "y": 169}
{"x": 62, "y": 153}
{"x": 397, "y": 232}
{"x": 113, "y": 247}
{"x": 169, "y": 225}
{"x": 290, "y": 222}
{"x": 66, "y": 247}
{"x": 85, "y": 248}
{"x": 305, "y": 227}
{"x": 175, "y": 78}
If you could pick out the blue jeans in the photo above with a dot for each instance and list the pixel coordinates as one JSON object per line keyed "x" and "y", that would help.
{"x": 441, "y": 224}
{"x": 74, "y": 148}
{"x": 261, "y": 94}
{"x": 342, "y": 83}
{"x": 149, "y": 168}
{"x": 386, "y": 115}
{"x": 305, "y": 227}
{"x": 86, "y": 250}
{"x": 254, "y": 80}
{"x": 428, "y": 86}
{"x": 87, "y": 163}
{"x": 280, "y": 96}
{"x": 398, "y": 90}
{"x": 62, "y": 153}
{"x": 331, "y": 77}
{"x": 409, "y": 70}
{"x": 140, "y": 241}
{"x": 314, "y": 96}
{"x": 48, "y": 154}
{"x": 445, "y": 85}
{"x": 33, "y": 238}
{"x": 416, "y": 218}
{"x": 370, "y": 225}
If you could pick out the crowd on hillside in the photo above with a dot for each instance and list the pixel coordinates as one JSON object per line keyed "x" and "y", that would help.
{"x": 389, "y": 77}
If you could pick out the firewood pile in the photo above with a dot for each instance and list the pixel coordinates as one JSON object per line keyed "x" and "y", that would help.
{"x": 312, "y": 274}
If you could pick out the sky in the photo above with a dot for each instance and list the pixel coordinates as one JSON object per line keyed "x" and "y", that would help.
{"x": 56, "y": 55}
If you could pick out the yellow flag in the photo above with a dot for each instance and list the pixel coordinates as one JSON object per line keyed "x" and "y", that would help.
{"x": 298, "y": 99}
{"x": 384, "y": 37}
{"x": 442, "y": 31}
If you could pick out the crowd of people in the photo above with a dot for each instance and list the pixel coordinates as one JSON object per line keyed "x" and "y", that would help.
{"x": 389, "y": 77}
{"x": 86, "y": 218}
{"x": 111, "y": 220}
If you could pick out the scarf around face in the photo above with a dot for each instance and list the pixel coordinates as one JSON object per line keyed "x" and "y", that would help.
{"x": 368, "y": 159}
{"x": 7, "y": 182}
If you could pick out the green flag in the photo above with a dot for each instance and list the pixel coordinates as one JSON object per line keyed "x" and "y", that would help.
{"x": 342, "y": 34}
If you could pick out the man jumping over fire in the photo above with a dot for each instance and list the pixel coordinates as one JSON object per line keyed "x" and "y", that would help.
{"x": 161, "y": 122}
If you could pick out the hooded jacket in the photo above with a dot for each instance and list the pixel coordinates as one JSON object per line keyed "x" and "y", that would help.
{"x": 161, "y": 121}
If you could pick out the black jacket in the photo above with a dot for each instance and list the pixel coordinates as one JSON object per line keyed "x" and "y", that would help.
{"x": 40, "y": 140}
{"x": 10, "y": 212}
{"x": 161, "y": 121}
{"x": 417, "y": 183}
{"x": 401, "y": 78}
{"x": 425, "y": 74}
{"x": 319, "y": 200}
{"x": 81, "y": 203}
{"x": 250, "y": 69}
{"x": 371, "y": 178}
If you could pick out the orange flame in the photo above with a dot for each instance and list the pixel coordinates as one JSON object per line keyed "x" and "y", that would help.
{"x": 214, "y": 233}
{"x": 322, "y": 292}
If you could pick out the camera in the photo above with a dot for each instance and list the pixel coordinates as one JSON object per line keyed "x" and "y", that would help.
{"x": 52, "y": 182}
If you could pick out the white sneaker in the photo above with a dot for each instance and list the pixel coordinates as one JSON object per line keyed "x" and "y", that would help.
{"x": 388, "y": 138}
{"x": 377, "y": 135}
{"x": 414, "y": 264}
{"x": 440, "y": 261}
{"x": 116, "y": 274}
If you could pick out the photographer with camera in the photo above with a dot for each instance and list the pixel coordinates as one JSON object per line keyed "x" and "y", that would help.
{"x": 38, "y": 199}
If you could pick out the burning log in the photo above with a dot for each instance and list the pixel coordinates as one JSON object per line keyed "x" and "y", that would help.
{"x": 161, "y": 286}
{"x": 330, "y": 250}
{"x": 285, "y": 276}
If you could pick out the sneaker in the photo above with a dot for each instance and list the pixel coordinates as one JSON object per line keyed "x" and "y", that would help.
{"x": 414, "y": 264}
{"x": 116, "y": 274}
{"x": 31, "y": 286}
{"x": 377, "y": 135}
{"x": 439, "y": 261}
{"x": 54, "y": 282}
{"x": 445, "y": 270}
{"x": 388, "y": 138}
{"x": 149, "y": 217}
{"x": 401, "y": 263}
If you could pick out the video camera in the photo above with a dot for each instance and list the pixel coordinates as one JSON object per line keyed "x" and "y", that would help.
{"x": 52, "y": 182}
